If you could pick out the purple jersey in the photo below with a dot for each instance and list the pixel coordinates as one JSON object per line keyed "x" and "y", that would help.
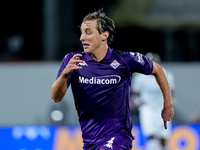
{"x": 102, "y": 92}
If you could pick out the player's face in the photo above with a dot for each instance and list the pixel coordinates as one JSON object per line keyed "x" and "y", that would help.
{"x": 90, "y": 36}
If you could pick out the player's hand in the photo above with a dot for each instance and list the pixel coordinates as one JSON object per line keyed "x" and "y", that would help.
{"x": 167, "y": 114}
{"x": 71, "y": 66}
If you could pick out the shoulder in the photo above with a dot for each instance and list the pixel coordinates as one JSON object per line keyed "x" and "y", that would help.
{"x": 125, "y": 55}
{"x": 135, "y": 61}
{"x": 129, "y": 54}
{"x": 122, "y": 53}
{"x": 68, "y": 56}
{"x": 71, "y": 54}
{"x": 132, "y": 57}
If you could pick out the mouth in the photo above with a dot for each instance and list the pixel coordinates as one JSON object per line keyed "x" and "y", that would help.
{"x": 85, "y": 45}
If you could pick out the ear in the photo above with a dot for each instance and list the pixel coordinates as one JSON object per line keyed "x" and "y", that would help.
{"x": 105, "y": 35}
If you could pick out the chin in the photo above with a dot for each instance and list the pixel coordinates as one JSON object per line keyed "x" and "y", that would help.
{"x": 87, "y": 51}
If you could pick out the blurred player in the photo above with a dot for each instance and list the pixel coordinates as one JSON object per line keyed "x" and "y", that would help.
{"x": 149, "y": 99}
{"x": 100, "y": 78}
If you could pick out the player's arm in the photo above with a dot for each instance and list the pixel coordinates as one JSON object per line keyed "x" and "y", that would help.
{"x": 59, "y": 87}
{"x": 159, "y": 73}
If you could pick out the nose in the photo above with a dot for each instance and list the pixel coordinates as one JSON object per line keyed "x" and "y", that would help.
{"x": 82, "y": 37}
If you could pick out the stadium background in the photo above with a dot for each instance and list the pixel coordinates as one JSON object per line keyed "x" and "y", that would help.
{"x": 35, "y": 35}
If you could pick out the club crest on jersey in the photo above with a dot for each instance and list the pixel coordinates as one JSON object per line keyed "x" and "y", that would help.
{"x": 115, "y": 64}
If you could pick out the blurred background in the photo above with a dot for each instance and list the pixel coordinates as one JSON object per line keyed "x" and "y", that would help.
{"x": 36, "y": 35}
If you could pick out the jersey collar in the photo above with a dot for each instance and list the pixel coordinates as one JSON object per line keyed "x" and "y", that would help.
{"x": 108, "y": 55}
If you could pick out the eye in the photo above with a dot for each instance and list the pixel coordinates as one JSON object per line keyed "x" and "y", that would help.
{"x": 88, "y": 32}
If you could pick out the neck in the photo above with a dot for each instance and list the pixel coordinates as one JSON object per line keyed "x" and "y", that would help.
{"x": 99, "y": 55}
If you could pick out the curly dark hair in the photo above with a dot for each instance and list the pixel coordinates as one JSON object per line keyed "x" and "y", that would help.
{"x": 104, "y": 23}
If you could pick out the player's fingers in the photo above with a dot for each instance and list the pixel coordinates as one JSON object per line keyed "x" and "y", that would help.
{"x": 165, "y": 124}
{"x": 77, "y": 56}
{"x": 76, "y": 59}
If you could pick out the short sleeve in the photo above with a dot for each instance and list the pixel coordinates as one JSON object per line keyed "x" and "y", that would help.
{"x": 138, "y": 62}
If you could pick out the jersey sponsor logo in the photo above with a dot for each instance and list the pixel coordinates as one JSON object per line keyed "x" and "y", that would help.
{"x": 115, "y": 64}
{"x": 82, "y": 64}
{"x": 109, "y": 79}
{"x": 109, "y": 143}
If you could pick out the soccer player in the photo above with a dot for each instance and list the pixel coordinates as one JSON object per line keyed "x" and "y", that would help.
{"x": 148, "y": 97}
{"x": 100, "y": 78}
